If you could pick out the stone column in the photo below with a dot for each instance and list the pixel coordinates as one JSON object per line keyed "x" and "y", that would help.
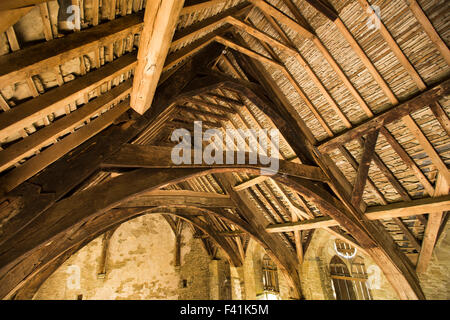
{"x": 214, "y": 282}
{"x": 237, "y": 283}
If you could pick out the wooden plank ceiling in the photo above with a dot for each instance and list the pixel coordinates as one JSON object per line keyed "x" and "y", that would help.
{"x": 369, "y": 102}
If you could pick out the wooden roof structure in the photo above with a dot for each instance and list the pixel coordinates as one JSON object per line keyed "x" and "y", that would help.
{"x": 87, "y": 112}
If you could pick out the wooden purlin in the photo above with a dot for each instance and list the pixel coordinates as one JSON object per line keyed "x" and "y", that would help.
{"x": 44, "y": 56}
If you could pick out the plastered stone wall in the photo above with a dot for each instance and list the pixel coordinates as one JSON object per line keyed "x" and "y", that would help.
{"x": 316, "y": 282}
{"x": 140, "y": 265}
{"x": 315, "y": 272}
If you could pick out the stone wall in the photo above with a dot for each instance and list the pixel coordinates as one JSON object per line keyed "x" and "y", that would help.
{"x": 140, "y": 265}
{"x": 315, "y": 272}
{"x": 316, "y": 281}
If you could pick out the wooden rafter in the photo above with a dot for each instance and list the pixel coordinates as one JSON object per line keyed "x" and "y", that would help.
{"x": 50, "y": 155}
{"x": 44, "y": 56}
{"x": 389, "y": 258}
{"x": 363, "y": 169}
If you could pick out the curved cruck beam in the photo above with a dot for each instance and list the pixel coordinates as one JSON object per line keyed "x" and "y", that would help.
{"x": 76, "y": 210}
{"x": 73, "y": 212}
{"x": 52, "y": 257}
{"x": 401, "y": 275}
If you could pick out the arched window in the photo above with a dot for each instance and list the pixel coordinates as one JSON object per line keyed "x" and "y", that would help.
{"x": 348, "y": 284}
{"x": 341, "y": 280}
{"x": 270, "y": 279}
{"x": 360, "y": 279}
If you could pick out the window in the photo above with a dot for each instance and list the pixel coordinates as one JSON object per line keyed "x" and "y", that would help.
{"x": 341, "y": 280}
{"x": 270, "y": 276}
{"x": 348, "y": 284}
{"x": 360, "y": 279}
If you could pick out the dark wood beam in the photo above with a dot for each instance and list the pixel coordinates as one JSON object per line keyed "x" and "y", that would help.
{"x": 15, "y": 4}
{"x": 390, "y": 211}
{"x": 363, "y": 169}
{"x": 138, "y": 156}
{"x": 324, "y": 7}
{"x": 371, "y": 236}
{"x": 9, "y": 17}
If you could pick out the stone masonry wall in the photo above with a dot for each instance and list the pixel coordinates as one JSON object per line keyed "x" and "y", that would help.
{"x": 140, "y": 265}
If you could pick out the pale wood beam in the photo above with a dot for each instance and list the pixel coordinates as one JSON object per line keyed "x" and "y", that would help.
{"x": 187, "y": 34}
{"x": 34, "y": 109}
{"x": 160, "y": 21}
{"x": 112, "y": 9}
{"x": 248, "y": 52}
{"x": 45, "y": 56}
{"x": 428, "y": 147}
{"x": 281, "y": 17}
{"x": 48, "y": 32}
{"x": 9, "y": 17}
{"x": 407, "y": 119}
{"x": 189, "y": 50}
{"x": 381, "y": 247}
{"x": 45, "y": 136}
{"x": 429, "y": 29}
{"x": 12, "y": 39}
{"x": 104, "y": 255}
